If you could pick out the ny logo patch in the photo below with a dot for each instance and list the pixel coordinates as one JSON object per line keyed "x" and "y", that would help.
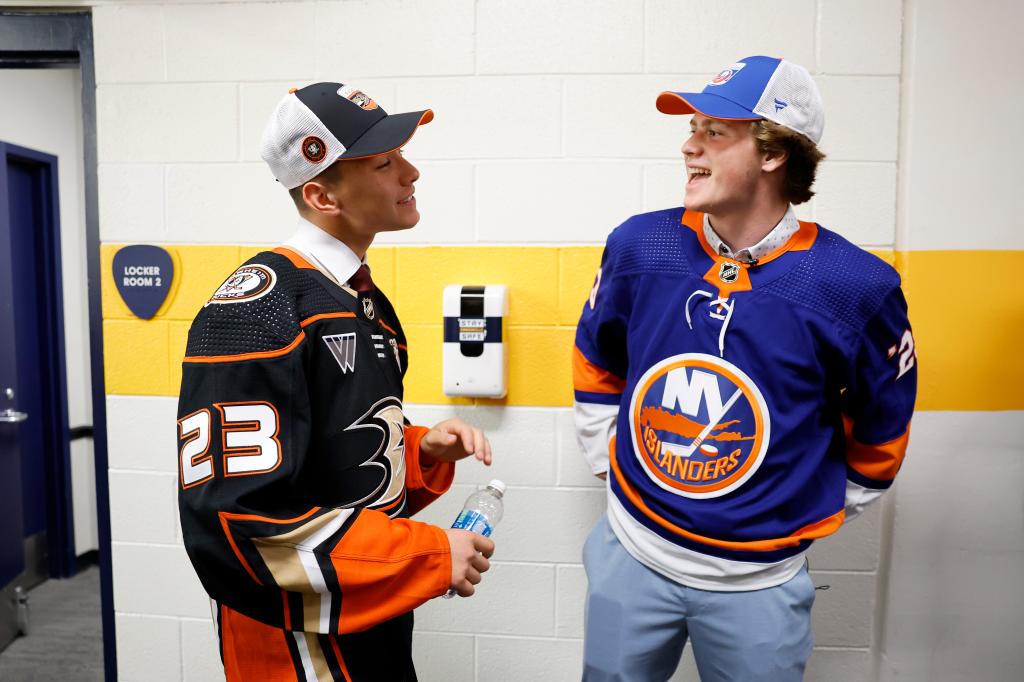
{"x": 343, "y": 348}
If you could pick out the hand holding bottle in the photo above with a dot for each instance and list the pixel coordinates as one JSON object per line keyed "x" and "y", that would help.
{"x": 470, "y": 558}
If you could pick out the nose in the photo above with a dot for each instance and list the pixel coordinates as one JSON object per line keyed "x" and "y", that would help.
{"x": 410, "y": 173}
{"x": 690, "y": 147}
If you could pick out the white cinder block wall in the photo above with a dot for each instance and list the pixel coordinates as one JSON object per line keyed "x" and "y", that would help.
{"x": 546, "y": 132}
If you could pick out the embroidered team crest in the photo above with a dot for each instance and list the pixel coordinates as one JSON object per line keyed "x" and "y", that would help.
{"x": 314, "y": 149}
{"x": 699, "y": 425}
{"x": 343, "y": 348}
{"x": 357, "y": 97}
{"x": 368, "y": 308}
{"x": 247, "y": 283}
{"x": 725, "y": 75}
{"x": 729, "y": 272}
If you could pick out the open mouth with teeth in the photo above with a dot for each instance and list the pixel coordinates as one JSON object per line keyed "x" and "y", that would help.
{"x": 695, "y": 175}
{"x": 408, "y": 200}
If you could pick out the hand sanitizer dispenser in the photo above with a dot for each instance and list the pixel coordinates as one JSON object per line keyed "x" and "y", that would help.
{"x": 475, "y": 358}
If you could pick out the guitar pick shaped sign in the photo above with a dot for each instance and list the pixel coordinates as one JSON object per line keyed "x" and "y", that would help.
{"x": 143, "y": 274}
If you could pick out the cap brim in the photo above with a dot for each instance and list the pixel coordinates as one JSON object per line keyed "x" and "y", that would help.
{"x": 387, "y": 135}
{"x": 711, "y": 106}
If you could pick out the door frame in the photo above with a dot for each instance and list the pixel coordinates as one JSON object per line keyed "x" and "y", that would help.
{"x": 39, "y": 40}
{"x": 60, "y": 529}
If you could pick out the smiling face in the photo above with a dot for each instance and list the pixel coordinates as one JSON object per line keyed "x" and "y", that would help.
{"x": 723, "y": 165}
{"x": 376, "y": 194}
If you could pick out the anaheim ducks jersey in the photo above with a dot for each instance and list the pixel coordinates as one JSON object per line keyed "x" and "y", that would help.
{"x": 298, "y": 473}
{"x": 743, "y": 410}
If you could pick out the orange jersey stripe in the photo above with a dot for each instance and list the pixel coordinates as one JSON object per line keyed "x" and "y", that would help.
{"x": 586, "y": 376}
{"x": 254, "y": 651}
{"x": 296, "y": 259}
{"x": 818, "y": 529}
{"x": 324, "y": 316}
{"x": 878, "y": 462}
{"x": 261, "y": 355}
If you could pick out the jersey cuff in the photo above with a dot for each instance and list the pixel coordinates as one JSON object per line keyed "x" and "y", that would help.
{"x": 423, "y": 472}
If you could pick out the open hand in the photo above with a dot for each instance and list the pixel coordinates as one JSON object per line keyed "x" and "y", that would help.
{"x": 453, "y": 439}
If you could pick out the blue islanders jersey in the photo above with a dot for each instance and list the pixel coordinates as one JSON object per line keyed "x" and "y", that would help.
{"x": 741, "y": 410}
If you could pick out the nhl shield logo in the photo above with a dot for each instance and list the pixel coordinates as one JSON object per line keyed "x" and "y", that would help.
{"x": 729, "y": 272}
{"x": 368, "y": 308}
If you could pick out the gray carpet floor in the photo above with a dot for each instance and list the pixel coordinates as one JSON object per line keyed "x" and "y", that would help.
{"x": 65, "y": 640}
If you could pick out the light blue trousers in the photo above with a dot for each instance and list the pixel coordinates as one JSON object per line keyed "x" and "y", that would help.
{"x": 638, "y": 621}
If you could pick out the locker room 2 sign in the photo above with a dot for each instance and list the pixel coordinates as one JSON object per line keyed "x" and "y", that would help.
{"x": 143, "y": 274}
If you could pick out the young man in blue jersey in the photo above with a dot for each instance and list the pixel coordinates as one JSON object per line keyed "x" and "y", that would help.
{"x": 745, "y": 381}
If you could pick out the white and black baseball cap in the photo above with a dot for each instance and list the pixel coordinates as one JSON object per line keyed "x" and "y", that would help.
{"x": 753, "y": 88}
{"x": 314, "y": 126}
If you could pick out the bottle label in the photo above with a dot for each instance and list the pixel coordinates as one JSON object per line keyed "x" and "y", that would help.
{"x": 473, "y": 521}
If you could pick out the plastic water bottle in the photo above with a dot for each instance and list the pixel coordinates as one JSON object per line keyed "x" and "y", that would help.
{"x": 481, "y": 513}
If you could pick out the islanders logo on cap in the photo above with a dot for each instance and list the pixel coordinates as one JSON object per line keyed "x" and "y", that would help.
{"x": 699, "y": 425}
{"x": 725, "y": 75}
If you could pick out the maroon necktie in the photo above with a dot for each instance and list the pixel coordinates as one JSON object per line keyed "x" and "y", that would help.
{"x": 361, "y": 281}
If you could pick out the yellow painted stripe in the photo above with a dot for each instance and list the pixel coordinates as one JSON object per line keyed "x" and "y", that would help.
{"x": 966, "y": 338}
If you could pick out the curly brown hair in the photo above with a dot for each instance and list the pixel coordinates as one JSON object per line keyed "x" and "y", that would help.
{"x": 801, "y": 163}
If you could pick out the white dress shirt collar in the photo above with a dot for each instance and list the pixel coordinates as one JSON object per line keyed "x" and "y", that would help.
{"x": 329, "y": 254}
{"x": 779, "y": 235}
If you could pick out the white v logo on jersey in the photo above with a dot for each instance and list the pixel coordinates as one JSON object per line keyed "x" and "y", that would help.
{"x": 343, "y": 348}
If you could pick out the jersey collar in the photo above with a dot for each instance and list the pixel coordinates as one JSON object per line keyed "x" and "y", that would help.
{"x": 331, "y": 256}
{"x": 771, "y": 242}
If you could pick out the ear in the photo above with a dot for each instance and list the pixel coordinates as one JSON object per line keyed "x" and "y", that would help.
{"x": 774, "y": 161}
{"x": 320, "y": 198}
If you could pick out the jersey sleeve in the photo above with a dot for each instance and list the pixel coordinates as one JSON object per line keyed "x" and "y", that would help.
{"x": 426, "y": 479}
{"x": 878, "y": 404}
{"x": 599, "y": 363}
{"x": 252, "y": 489}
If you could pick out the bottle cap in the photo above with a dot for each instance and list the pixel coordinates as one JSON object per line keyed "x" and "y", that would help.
{"x": 497, "y": 485}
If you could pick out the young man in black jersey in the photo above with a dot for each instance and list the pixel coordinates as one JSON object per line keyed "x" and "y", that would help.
{"x": 298, "y": 468}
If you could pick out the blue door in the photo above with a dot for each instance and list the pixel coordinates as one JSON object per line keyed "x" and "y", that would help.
{"x": 35, "y": 500}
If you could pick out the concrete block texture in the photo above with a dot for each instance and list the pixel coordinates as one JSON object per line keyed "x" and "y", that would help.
{"x": 529, "y": 587}
{"x": 614, "y": 116}
{"x": 156, "y": 580}
{"x": 861, "y": 117}
{"x": 219, "y": 42}
{"x": 573, "y": 470}
{"x": 515, "y": 658}
{"x": 843, "y": 27}
{"x": 843, "y": 615}
{"x": 120, "y": 31}
{"x": 576, "y": 36}
{"x": 572, "y": 201}
{"x": 174, "y": 122}
{"x": 719, "y": 34}
{"x": 142, "y": 433}
{"x": 148, "y": 648}
{"x": 200, "y": 651}
{"x": 199, "y": 209}
{"x": 157, "y": 493}
{"x": 954, "y": 602}
{"x": 485, "y": 117}
{"x": 131, "y": 203}
{"x": 435, "y": 38}
{"x": 858, "y": 200}
{"x": 440, "y": 656}
{"x": 570, "y": 600}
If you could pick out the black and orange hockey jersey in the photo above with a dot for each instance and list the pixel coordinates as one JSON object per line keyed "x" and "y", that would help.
{"x": 298, "y": 473}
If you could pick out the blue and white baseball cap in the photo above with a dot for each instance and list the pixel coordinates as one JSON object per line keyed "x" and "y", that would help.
{"x": 753, "y": 88}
